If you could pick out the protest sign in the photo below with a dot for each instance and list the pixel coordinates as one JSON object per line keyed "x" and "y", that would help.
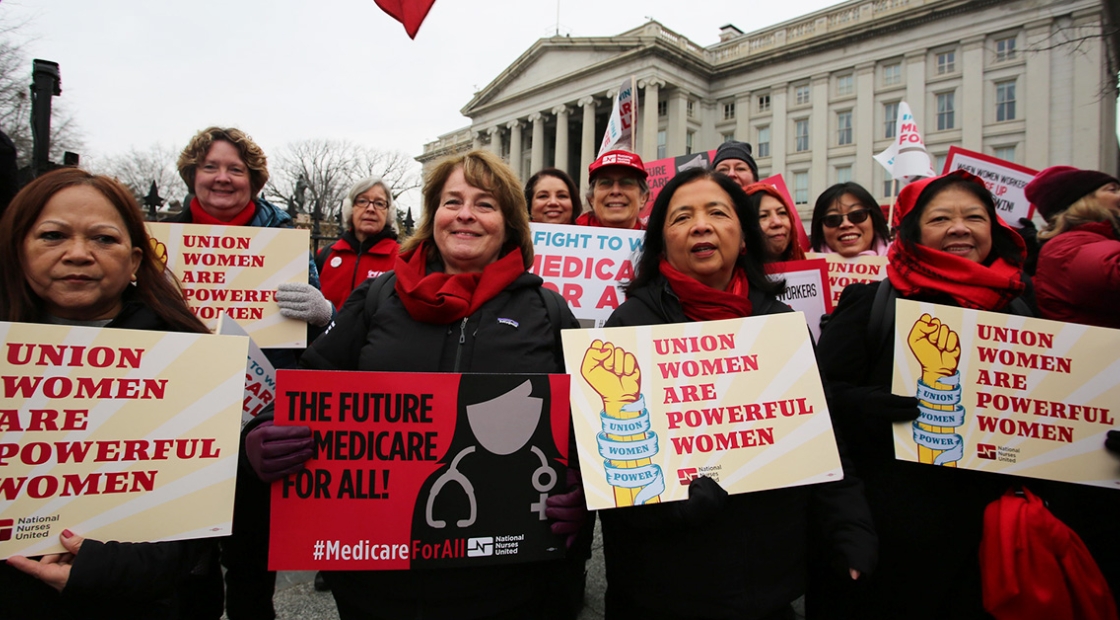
{"x": 1007, "y": 394}
{"x": 661, "y": 171}
{"x": 844, "y": 271}
{"x": 1006, "y": 180}
{"x": 260, "y": 376}
{"x": 420, "y": 470}
{"x": 738, "y": 400}
{"x": 116, "y": 434}
{"x": 806, "y": 289}
{"x": 619, "y": 134}
{"x": 587, "y": 266}
{"x": 907, "y": 155}
{"x": 235, "y": 270}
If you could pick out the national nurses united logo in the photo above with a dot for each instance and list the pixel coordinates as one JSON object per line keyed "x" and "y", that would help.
{"x": 687, "y": 475}
{"x": 938, "y": 350}
{"x": 6, "y": 526}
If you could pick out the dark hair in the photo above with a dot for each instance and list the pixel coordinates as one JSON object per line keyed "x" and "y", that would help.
{"x": 833, "y": 195}
{"x": 154, "y": 287}
{"x": 1003, "y": 241}
{"x": 531, "y": 188}
{"x": 654, "y": 245}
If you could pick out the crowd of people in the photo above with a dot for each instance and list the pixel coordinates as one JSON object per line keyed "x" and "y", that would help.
{"x": 75, "y": 251}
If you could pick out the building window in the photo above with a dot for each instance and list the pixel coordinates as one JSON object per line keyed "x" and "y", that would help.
{"x": 764, "y": 103}
{"x": 801, "y": 94}
{"x": 688, "y": 142}
{"x": 1005, "y": 49}
{"x": 939, "y": 162}
{"x": 662, "y": 108}
{"x": 691, "y": 108}
{"x": 890, "y": 119}
{"x": 844, "y": 127}
{"x": 763, "y": 142}
{"x": 843, "y": 174}
{"x": 890, "y": 189}
{"x": 892, "y": 74}
{"x": 845, "y": 85}
{"x": 728, "y": 137}
{"x": 945, "y": 109}
{"x": 1006, "y": 153}
{"x": 801, "y": 134}
{"x": 729, "y": 111}
{"x": 801, "y": 187}
{"x": 1005, "y": 101}
{"x": 661, "y": 145}
{"x": 946, "y": 62}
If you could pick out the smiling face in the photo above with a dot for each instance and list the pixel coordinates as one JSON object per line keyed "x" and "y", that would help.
{"x": 78, "y": 257}
{"x": 773, "y": 217}
{"x": 955, "y": 221}
{"x": 737, "y": 169}
{"x": 1109, "y": 196}
{"x": 221, "y": 182}
{"x": 371, "y": 207}
{"x": 703, "y": 236}
{"x": 617, "y": 197}
{"x": 848, "y": 239}
{"x": 469, "y": 229}
{"x": 552, "y": 203}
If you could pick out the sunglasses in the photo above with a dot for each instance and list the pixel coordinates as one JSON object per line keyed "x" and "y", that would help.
{"x": 856, "y": 217}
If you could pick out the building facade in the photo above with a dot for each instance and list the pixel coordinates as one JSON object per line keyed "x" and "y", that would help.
{"x": 1024, "y": 80}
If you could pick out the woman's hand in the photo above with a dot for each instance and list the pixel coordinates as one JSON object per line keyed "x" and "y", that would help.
{"x": 54, "y": 569}
{"x": 276, "y": 451}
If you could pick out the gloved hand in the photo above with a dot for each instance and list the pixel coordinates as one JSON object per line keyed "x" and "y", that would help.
{"x": 276, "y": 451}
{"x": 1112, "y": 442}
{"x": 299, "y": 300}
{"x": 613, "y": 373}
{"x": 705, "y": 500}
{"x": 879, "y": 404}
{"x": 568, "y": 511}
{"x": 1028, "y": 231}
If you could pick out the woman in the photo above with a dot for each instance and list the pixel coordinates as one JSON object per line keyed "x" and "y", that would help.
{"x": 953, "y": 250}
{"x": 552, "y": 197}
{"x": 74, "y": 251}
{"x": 847, "y": 221}
{"x": 781, "y": 226}
{"x": 368, "y": 247}
{"x": 743, "y": 556}
{"x": 1078, "y": 276}
{"x": 226, "y": 171}
{"x": 734, "y": 159}
{"x": 438, "y": 311}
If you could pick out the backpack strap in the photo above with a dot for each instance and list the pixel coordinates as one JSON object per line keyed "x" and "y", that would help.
{"x": 379, "y": 291}
{"x": 882, "y": 315}
{"x": 552, "y": 304}
{"x": 322, "y": 256}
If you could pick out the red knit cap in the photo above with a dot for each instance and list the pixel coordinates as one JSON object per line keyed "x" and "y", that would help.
{"x": 1056, "y": 188}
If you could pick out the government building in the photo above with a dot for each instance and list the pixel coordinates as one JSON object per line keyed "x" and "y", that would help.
{"x": 1024, "y": 80}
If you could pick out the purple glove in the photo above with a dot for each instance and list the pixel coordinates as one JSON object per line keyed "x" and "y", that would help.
{"x": 276, "y": 451}
{"x": 568, "y": 511}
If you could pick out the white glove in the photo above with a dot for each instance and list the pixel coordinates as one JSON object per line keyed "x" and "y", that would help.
{"x": 304, "y": 302}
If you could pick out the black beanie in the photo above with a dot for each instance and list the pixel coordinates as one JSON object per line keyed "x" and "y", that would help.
{"x": 736, "y": 150}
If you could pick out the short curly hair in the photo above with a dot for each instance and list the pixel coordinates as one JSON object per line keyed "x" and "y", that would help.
{"x": 200, "y": 144}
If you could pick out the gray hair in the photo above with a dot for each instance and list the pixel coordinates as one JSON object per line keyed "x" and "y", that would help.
{"x": 361, "y": 187}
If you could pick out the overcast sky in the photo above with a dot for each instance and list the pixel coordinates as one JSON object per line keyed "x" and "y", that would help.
{"x": 136, "y": 72}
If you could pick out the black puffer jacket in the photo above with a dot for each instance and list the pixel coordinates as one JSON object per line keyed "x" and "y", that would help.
{"x": 511, "y": 333}
{"x": 167, "y": 580}
{"x": 747, "y": 562}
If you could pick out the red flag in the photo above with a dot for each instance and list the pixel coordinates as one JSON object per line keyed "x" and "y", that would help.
{"x": 411, "y": 13}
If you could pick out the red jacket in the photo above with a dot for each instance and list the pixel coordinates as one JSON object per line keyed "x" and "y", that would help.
{"x": 1078, "y": 276}
{"x": 341, "y": 269}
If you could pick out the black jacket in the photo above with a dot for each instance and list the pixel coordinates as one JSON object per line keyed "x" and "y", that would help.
{"x": 509, "y": 333}
{"x": 116, "y": 580}
{"x": 749, "y": 561}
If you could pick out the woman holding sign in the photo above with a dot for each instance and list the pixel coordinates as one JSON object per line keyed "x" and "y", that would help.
{"x": 714, "y": 555}
{"x": 951, "y": 249}
{"x": 848, "y": 221}
{"x": 460, "y": 299}
{"x": 74, "y": 251}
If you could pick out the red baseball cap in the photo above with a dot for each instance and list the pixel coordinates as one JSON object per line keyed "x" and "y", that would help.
{"x": 624, "y": 159}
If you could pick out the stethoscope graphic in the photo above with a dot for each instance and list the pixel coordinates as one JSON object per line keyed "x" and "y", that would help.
{"x": 544, "y": 478}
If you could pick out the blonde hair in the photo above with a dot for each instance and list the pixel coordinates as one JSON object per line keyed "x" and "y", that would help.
{"x": 196, "y": 150}
{"x": 484, "y": 170}
{"x": 1085, "y": 211}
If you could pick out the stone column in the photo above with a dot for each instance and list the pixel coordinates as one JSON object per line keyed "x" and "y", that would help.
{"x": 649, "y": 118}
{"x": 677, "y": 133}
{"x": 743, "y": 120}
{"x": 536, "y": 161}
{"x": 820, "y": 138}
{"x": 515, "y": 147}
{"x": 916, "y": 91}
{"x": 971, "y": 107}
{"x": 476, "y": 140}
{"x": 1036, "y": 147}
{"x": 495, "y": 134}
{"x": 865, "y": 131}
{"x": 561, "y": 156}
{"x": 1089, "y": 152}
{"x": 587, "y": 146}
{"x": 779, "y": 128}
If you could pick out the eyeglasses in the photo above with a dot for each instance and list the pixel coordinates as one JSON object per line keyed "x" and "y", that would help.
{"x": 362, "y": 203}
{"x": 608, "y": 183}
{"x": 833, "y": 220}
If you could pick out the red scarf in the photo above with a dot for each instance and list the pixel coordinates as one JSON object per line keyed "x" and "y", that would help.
{"x": 442, "y": 298}
{"x": 200, "y": 216}
{"x": 701, "y": 302}
{"x": 917, "y": 270}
